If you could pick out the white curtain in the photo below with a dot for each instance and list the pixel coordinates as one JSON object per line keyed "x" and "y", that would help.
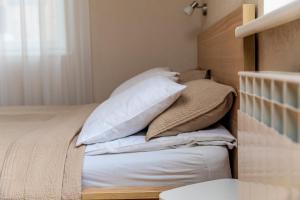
{"x": 45, "y": 52}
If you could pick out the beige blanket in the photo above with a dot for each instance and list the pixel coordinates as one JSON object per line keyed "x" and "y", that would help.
{"x": 38, "y": 158}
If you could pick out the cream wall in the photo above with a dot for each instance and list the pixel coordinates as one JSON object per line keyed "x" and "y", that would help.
{"x": 217, "y": 9}
{"x": 130, "y": 36}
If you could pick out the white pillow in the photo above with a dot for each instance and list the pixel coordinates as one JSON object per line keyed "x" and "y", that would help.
{"x": 130, "y": 111}
{"x": 214, "y": 136}
{"x": 166, "y": 72}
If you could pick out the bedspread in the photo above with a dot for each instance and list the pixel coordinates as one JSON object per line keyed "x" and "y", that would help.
{"x": 38, "y": 157}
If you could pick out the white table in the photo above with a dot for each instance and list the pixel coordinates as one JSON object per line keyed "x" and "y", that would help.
{"x": 224, "y": 189}
{"x": 231, "y": 189}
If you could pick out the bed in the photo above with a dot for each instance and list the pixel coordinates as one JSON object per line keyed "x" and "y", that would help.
{"x": 223, "y": 54}
{"x": 213, "y": 46}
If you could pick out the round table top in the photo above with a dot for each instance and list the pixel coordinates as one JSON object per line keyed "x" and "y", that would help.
{"x": 232, "y": 189}
{"x": 224, "y": 189}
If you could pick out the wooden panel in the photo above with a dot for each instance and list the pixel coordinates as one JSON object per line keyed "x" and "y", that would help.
{"x": 225, "y": 56}
{"x": 128, "y": 193}
{"x": 279, "y": 48}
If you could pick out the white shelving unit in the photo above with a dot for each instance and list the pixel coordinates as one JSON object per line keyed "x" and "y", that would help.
{"x": 272, "y": 98}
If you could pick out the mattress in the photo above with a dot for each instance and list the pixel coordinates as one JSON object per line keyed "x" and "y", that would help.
{"x": 172, "y": 167}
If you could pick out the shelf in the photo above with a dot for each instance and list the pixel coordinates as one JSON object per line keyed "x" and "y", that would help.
{"x": 292, "y": 128}
{"x": 277, "y": 118}
{"x": 249, "y": 105}
{"x": 273, "y": 19}
{"x": 249, "y": 85}
{"x": 277, "y": 91}
{"x": 257, "y": 109}
{"x": 273, "y": 99}
{"x": 266, "y": 89}
{"x": 266, "y": 113}
{"x": 242, "y": 84}
{"x": 257, "y": 87}
{"x": 292, "y": 95}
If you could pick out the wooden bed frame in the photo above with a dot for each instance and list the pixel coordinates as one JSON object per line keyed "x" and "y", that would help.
{"x": 225, "y": 56}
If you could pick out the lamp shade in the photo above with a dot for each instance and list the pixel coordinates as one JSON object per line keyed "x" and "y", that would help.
{"x": 188, "y": 10}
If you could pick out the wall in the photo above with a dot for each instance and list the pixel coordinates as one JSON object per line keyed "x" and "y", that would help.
{"x": 278, "y": 49}
{"x": 217, "y": 10}
{"x": 131, "y": 36}
{"x": 124, "y": 44}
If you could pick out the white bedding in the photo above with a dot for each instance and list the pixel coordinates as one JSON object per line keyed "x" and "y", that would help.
{"x": 172, "y": 167}
{"x": 215, "y": 136}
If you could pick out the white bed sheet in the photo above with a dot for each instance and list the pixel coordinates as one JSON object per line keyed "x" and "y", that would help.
{"x": 172, "y": 167}
{"x": 216, "y": 135}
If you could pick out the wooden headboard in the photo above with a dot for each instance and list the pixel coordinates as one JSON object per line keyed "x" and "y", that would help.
{"x": 223, "y": 54}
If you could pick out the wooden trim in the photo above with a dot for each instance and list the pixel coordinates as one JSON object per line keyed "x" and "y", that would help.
{"x": 128, "y": 193}
{"x": 249, "y": 14}
{"x": 273, "y": 19}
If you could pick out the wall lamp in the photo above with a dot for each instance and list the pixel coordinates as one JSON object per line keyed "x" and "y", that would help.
{"x": 190, "y": 8}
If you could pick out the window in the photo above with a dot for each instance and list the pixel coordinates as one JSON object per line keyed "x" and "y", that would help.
{"x": 32, "y": 25}
{"x": 270, "y": 5}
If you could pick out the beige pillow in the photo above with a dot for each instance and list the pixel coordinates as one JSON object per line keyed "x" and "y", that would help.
{"x": 194, "y": 74}
{"x": 203, "y": 103}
